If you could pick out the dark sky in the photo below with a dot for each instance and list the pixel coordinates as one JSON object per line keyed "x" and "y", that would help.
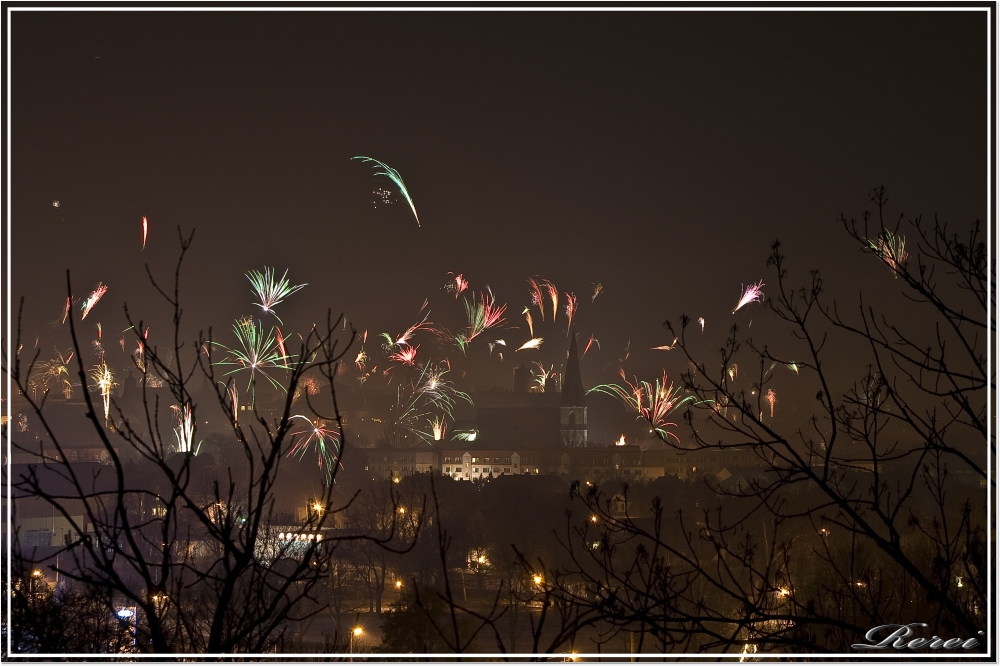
{"x": 658, "y": 153}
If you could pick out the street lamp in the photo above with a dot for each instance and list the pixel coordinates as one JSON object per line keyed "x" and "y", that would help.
{"x": 127, "y": 616}
{"x": 355, "y": 633}
{"x": 537, "y": 579}
{"x": 399, "y": 584}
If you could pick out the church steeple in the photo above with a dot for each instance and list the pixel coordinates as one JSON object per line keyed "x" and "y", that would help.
{"x": 572, "y": 387}
{"x": 572, "y": 403}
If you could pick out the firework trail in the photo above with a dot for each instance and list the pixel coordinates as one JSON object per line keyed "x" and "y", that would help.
{"x": 540, "y": 376}
{"x": 145, "y": 231}
{"x": 404, "y": 339}
{"x": 536, "y": 297}
{"x": 590, "y": 342}
{"x": 280, "y": 339}
{"x": 456, "y": 285}
{"x": 184, "y": 432}
{"x": 669, "y": 347}
{"x": 91, "y": 301}
{"x": 258, "y": 353}
{"x": 794, "y": 367}
{"x": 234, "y": 401}
{"x": 104, "y": 381}
{"x": 733, "y": 370}
{"x": 271, "y": 292}
{"x": 394, "y": 176}
{"x": 326, "y": 442}
{"x": 701, "y": 320}
{"x": 438, "y": 427}
{"x": 533, "y": 343}
{"x": 598, "y": 288}
{"x": 69, "y": 304}
{"x": 496, "y": 343}
{"x": 553, "y": 296}
{"x": 772, "y": 400}
{"x": 654, "y": 403}
{"x": 482, "y": 316}
{"x": 531, "y": 324}
{"x": 891, "y": 249}
{"x": 570, "y": 310}
{"x": 751, "y": 294}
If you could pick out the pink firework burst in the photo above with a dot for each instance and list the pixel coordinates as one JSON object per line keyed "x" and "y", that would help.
{"x": 751, "y": 294}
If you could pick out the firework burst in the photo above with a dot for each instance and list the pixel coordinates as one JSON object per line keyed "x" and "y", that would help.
{"x": 258, "y": 352}
{"x": 891, "y": 249}
{"x": 271, "y": 291}
{"x": 325, "y": 441}
{"x": 91, "y": 301}
{"x": 653, "y": 403}
{"x": 456, "y": 285}
{"x": 751, "y": 294}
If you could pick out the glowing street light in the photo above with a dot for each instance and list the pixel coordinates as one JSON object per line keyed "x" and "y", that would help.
{"x": 355, "y": 633}
{"x": 537, "y": 579}
{"x": 399, "y": 584}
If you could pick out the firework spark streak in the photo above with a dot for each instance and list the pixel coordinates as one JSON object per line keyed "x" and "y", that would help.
{"x": 145, "y": 231}
{"x": 701, "y": 320}
{"x": 234, "y": 401}
{"x": 570, "y": 310}
{"x": 270, "y": 291}
{"x": 891, "y": 249}
{"x": 772, "y": 400}
{"x": 69, "y": 304}
{"x": 751, "y": 294}
{"x": 590, "y": 342}
{"x": 536, "y": 296}
{"x": 91, "y": 301}
{"x": 531, "y": 324}
{"x": 654, "y": 403}
{"x": 533, "y": 343}
{"x": 794, "y": 367}
{"x": 733, "y": 370}
{"x": 326, "y": 442}
{"x": 105, "y": 381}
{"x": 598, "y": 288}
{"x": 394, "y": 176}
{"x": 280, "y": 339}
{"x": 669, "y": 347}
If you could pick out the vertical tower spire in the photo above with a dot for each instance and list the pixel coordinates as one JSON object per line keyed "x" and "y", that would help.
{"x": 572, "y": 387}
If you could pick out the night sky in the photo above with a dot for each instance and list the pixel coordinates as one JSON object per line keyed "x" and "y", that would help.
{"x": 658, "y": 153}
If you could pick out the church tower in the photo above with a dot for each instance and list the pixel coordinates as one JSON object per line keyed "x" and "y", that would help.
{"x": 572, "y": 403}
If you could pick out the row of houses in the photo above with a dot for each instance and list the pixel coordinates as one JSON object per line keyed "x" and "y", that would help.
{"x": 470, "y": 463}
